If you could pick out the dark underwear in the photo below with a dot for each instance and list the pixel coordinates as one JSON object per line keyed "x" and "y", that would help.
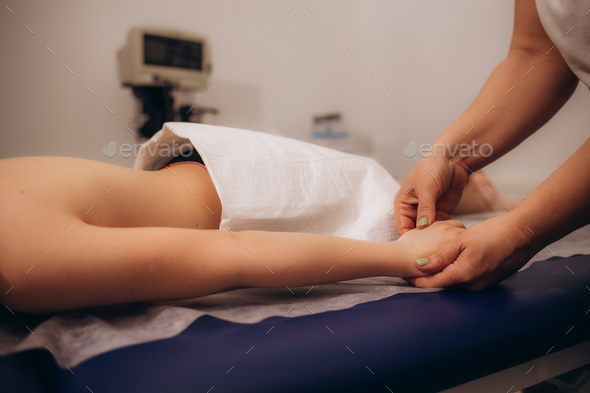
{"x": 193, "y": 158}
{"x": 182, "y": 162}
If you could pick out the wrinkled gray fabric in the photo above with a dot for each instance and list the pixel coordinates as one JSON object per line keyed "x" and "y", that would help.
{"x": 73, "y": 337}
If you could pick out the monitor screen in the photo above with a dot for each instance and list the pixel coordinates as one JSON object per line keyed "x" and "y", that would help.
{"x": 164, "y": 51}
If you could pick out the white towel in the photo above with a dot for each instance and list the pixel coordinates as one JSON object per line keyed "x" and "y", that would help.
{"x": 272, "y": 183}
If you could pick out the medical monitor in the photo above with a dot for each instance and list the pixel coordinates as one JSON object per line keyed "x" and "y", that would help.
{"x": 156, "y": 56}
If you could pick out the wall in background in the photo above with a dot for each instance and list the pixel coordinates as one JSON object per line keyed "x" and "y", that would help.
{"x": 433, "y": 55}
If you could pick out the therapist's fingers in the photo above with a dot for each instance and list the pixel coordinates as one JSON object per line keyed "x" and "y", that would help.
{"x": 455, "y": 223}
{"x": 448, "y": 201}
{"x": 448, "y": 277}
{"x": 426, "y": 212}
{"x": 440, "y": 259}
{"x": 452, "y": 274}
{"x": 484, "y": 255}
{"x": 405, "y": 204}
{"x": 405, "y": 216}
{"x": 430, "y": 192}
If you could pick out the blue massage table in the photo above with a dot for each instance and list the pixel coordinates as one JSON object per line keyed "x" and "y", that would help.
{"x": 532, "y": 327}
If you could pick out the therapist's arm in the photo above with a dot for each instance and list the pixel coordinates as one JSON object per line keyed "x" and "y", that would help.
{"x": 492, "y": 250}
{"x": 513, "y": 103}
{"x": 523, "y": 99}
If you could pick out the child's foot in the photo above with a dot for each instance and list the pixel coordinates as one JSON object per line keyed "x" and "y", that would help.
{"x": 481, "y": 196}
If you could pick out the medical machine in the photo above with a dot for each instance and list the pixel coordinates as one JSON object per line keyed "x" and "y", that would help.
{"x": 329, "y": 130}
{"x": 160, "y": 63}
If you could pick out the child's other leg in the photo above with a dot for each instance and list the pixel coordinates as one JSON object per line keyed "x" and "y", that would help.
{"x": 480, "y": 196}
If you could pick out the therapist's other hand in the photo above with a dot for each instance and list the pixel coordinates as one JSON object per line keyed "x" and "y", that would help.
{"x": 480, "y": 257}
{"x": 430, "y": 192}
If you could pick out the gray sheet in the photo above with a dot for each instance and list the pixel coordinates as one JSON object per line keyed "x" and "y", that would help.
{"x": 73, "y": 337}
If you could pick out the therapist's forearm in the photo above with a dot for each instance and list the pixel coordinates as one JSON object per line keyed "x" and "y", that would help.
{"x": 512, "y": 105}
{"x": 561, "y": 204}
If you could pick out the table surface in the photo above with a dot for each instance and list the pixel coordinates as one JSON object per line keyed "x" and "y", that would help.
{"x": 421, "y": 342}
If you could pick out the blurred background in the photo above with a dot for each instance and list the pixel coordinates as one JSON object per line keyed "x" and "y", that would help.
{"x": 434, "y": 55}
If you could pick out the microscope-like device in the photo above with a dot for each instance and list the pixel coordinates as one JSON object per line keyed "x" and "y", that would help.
{"x": 161, "y": 65}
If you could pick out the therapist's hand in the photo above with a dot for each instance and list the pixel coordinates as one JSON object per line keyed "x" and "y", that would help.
{"x": 430, "y": 192}
{"x": 480, "y": 257}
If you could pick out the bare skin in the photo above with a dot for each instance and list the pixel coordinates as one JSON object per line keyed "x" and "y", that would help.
{"x": 480, "y": 196}
{"x": 492, "y": 250}
{"x": 77, "y": 233}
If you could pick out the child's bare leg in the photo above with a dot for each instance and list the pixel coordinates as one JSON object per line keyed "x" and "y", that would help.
{"x": 481, "y": 196}
{"x": 94, "y": 266}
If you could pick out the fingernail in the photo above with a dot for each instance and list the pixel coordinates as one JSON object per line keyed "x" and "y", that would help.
{"x": 422, "y": 261}
{"x": 423, "y": 221}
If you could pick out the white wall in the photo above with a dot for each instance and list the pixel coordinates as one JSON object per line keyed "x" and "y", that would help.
{"x": 435, "y": 56}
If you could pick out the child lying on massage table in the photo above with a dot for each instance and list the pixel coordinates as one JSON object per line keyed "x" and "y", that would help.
{"x": 76, "y": 233}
